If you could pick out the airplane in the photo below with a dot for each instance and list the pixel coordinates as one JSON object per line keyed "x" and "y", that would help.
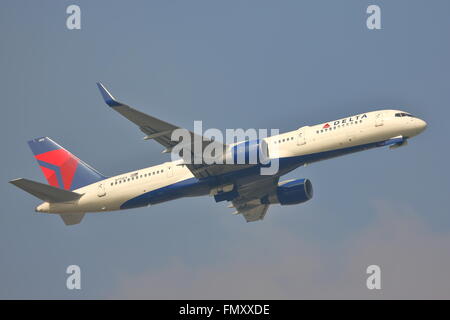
{"x": 75, "y": 188}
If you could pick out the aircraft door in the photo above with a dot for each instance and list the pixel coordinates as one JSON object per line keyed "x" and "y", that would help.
{"x": 379, "y": 120}
{"x": 101, "y": 192}
{"x": 169, "y": 171}
{"x": 301, "y": 137}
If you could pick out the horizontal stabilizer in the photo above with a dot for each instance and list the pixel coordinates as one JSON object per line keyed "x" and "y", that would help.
{"x": 45, "y": 192}
{"x": 72, "y": 218}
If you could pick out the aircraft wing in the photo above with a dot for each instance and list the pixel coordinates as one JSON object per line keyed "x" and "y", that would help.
{"x": 248, "y": 203}
{"x": 161, "y": 131}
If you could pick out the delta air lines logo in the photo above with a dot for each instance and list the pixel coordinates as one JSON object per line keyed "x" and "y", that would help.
{"x": 59, "y": 167}
{"x": 345, "y": 121}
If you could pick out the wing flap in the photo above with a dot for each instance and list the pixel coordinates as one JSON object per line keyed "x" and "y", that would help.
{"x": 254, "y": 213}
{"x": 249, "y": 202}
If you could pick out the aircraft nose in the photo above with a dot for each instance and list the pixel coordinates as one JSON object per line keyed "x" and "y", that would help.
{"x": 421, "y": 125}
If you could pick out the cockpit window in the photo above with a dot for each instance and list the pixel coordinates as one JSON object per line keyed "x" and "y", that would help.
{"x": 403, "y": 114}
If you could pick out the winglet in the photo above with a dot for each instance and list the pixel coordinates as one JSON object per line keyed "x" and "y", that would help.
{"x": 109, "y": 99}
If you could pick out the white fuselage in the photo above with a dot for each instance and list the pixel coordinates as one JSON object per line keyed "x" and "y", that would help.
{"x": 304, "y": 145}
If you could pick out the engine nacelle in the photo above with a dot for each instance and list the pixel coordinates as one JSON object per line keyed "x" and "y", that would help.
{"x": 291, "y": 192}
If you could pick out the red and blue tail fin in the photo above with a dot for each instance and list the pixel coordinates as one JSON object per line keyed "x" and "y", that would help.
{"x": 61, "y": 168}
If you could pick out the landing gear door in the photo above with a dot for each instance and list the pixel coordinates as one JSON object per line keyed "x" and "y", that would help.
{"x": 101, "y": 192}
{"x": 379, "y": 120}
{"x": 301, "y": 136}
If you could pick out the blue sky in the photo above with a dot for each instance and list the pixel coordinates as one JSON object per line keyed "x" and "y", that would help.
{"x": 231, "y": 64}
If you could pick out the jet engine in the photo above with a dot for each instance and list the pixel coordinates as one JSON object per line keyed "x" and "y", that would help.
{"x": 290, "y": 192}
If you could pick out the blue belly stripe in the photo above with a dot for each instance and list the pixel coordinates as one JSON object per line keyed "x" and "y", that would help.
{"x": 194, "y": 186}
{"x": 177, "y": 190}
